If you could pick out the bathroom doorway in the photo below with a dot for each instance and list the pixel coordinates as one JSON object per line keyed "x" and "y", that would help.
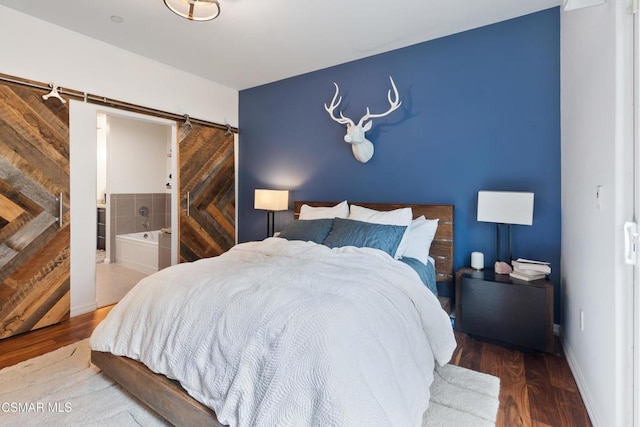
{"x": 134, "y": 204}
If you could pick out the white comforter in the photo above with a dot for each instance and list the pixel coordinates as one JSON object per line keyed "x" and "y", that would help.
{"x": 280, "y": 333}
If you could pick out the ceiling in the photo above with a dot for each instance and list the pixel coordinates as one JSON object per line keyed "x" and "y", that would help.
{"x": 254, "y": 42}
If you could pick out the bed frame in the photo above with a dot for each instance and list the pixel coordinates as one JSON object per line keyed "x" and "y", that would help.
{"x": 171, "y": 401}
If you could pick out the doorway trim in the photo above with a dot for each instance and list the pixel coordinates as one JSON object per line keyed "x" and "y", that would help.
{"x": 635, "y": 315}
{"x": 83, "y": 172}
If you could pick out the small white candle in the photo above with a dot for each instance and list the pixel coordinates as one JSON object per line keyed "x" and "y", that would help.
{"x": 477, "y": 260}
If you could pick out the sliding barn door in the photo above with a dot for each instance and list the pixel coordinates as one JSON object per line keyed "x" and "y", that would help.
{"x": 34, "y": 243}
{"x": 207, "y": 192}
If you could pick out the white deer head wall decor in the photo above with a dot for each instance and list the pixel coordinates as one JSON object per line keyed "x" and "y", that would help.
{"x": 362, "y": 148}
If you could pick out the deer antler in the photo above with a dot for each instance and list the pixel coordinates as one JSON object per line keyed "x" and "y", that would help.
{"x": 342, "y": 119}
{"x": 362, "y": 148}
{"x": 394, "y": 105}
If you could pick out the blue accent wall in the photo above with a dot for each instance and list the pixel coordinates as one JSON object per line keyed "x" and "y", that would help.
{"x": 480, "y": 111}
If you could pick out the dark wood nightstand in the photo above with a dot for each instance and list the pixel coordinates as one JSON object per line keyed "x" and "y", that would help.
{"x": 499, "y": 308}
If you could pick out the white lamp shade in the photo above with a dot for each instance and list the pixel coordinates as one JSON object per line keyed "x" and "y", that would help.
{"x": 271, "y": 200}
{"x": 505, "y": 207}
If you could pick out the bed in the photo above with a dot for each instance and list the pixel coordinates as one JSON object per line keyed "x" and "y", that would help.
{"x": 331, "y": 370}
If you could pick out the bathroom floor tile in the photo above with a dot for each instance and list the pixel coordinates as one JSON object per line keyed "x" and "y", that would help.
{"x": 113, "y": 282}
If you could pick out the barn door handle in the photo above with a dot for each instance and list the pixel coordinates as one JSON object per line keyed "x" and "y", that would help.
{"x": 60, "y": 201}
{"x": 188, "y": 196}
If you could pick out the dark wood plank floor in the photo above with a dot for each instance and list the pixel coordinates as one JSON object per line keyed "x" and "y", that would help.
{"x": 536, "y": 389}
{"x": 22, "y": 347}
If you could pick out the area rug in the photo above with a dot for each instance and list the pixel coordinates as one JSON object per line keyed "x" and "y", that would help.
{"x": 64, "y": 388}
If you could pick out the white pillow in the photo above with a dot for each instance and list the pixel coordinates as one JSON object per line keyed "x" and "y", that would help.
{"x": 420, "y": 235}
{"x": 400, "y": 216}
{"x": 341, "y": 210}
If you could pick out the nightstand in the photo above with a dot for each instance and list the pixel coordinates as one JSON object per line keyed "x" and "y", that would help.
{"x": 511, "y": 311}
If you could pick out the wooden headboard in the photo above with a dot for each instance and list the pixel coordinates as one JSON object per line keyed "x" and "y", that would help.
{"x": 441, "y": 247}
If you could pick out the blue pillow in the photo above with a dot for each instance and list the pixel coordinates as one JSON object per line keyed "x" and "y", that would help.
{"x": 427, "y": 272}
{"x": 349, "y": 232}
{"x": 308, "y": 230}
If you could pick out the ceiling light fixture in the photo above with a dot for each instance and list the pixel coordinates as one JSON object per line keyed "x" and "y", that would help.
{"x": 195, "y": 10}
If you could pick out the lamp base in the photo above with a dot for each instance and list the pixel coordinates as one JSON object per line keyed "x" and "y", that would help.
{"x": 498, "y": 246}
{"x": 270, "y": 223}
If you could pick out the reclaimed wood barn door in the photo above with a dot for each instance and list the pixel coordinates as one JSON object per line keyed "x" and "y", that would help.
{"x": 207, "y": 192}
{"x": 34, "y": 243}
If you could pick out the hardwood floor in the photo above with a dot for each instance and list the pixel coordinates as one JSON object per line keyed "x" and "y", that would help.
{"x": 22, "y": 347}
{"x": 536, "y": 389}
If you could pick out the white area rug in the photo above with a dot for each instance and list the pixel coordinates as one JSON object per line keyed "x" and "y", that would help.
{"x": 462, "y": 397}
{"x": 63, "y": 388}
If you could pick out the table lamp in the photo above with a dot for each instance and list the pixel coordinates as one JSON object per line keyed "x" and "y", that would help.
{"x": 505, "y": 207}
{"x": 271, "y": 201}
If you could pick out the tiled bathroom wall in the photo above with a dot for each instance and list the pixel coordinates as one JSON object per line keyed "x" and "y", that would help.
{"x": 125, "y": 216}
{"x": 164, "y": 251}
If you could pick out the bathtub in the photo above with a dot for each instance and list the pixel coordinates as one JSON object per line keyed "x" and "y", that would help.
{"x": 138, "y": 251}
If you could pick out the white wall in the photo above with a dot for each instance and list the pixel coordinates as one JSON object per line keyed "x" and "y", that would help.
{"x": 36, "y": 50}
{"x": 597, "y": 148}
{"x": 83, "y": 166}
{"x": 137, "y": 156}
{"x": 40, "y": 51}
{"x": 101, "y": 185}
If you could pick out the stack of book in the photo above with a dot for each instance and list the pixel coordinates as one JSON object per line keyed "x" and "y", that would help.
{"x": 526, "y": 269}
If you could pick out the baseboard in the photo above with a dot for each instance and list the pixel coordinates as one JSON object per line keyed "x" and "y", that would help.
{"x": 76, "y": 311}
{"x": 582, "y": 385}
